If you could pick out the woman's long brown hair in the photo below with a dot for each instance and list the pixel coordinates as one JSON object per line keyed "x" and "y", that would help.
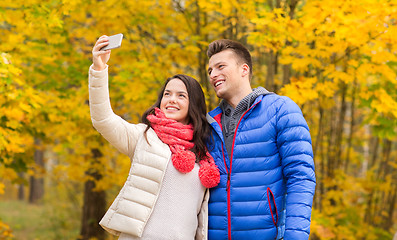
{"x": 197, "y": 113}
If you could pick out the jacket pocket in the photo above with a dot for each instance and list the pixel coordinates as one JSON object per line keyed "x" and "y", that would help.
{"x": 272, "y": 206}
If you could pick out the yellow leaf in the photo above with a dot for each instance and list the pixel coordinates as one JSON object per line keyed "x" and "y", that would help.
{"x": 15, "y": 114}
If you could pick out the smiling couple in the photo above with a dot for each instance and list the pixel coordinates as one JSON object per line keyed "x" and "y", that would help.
{"x": 243, "y": 171}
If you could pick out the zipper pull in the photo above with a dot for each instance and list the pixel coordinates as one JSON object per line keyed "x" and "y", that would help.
{"x": 228, "y": 182}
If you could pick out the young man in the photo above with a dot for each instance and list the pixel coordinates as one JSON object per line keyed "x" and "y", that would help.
{"x": 262, "y": 147}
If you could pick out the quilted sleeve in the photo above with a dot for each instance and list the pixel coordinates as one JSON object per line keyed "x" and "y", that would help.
{"x": 295, "y": 147}
{"x": 113, "y": 128}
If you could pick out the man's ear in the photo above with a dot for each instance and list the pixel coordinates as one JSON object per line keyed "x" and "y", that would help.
{"x": 245, "y": 70}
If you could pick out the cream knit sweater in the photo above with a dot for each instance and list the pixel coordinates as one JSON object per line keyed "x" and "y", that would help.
{"x": 176, "y": 209}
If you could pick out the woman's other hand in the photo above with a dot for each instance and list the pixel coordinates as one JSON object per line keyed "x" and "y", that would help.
{"x": 100, "y": 58}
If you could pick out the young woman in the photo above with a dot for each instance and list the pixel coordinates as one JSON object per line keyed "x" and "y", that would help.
{"x": 165, "y": 194}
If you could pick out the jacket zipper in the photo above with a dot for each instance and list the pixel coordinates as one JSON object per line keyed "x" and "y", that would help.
{"x": 228, "y": 194}
{"x": 229, "y": 171}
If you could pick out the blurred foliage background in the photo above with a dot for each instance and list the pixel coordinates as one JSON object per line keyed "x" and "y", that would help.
{"x": 335, "y": 59}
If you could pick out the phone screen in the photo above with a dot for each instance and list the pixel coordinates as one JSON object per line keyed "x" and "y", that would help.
{"x": 114, "y": 42}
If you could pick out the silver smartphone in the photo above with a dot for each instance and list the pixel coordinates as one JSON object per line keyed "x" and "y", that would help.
{"x": 114, "y": 42}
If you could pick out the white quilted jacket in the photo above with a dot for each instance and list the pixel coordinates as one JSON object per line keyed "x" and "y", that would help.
{"x": 134, "y": 206}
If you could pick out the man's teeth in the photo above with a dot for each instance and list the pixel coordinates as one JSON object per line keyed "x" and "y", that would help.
{"x": 218, "y": 83}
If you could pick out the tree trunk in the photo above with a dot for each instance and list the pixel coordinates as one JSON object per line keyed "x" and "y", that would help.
{"x": 366, "y": 154}
{"x": 292, "y": 7}
{"x": 331, "y": 145}
{"x": 374, "y": 156}
{"x": 270, "y": 3}
{"x": 384, "y": 164}
{"x": 278, "y": 3}
{"x": 331, "y": 151}
{"x": 21, "y": 189}
{"x": 36, "y": 188}
{"x": 340, "y": 128}
{"x": 94, "y": 205}
{"x": 390, "y": 220}
{"x": 317, "y": 154}
{"x": 368, "y": 215}
{"x": 383, "y": 174}
{"x": 286, "y": 73}
{"x": 201, "y": 21}
{"x": 352, "y": 126}
{"x": 287, "y": 68}
{"x": 270, "y": 71}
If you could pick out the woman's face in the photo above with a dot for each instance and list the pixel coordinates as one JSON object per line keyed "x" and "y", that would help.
{"x": 175, "y": 101}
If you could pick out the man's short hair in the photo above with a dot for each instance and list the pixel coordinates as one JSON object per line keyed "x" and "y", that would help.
{"x": 242, "y": 52}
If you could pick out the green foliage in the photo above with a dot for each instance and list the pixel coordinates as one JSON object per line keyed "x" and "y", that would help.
{"x": 46, "y": 222}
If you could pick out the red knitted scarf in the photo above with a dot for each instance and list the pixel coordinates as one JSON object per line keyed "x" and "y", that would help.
{"x": 178, "y": 137}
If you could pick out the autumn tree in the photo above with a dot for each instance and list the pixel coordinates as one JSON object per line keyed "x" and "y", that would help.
{"x": 343, "y": 60}
{"x": 335, "y": 59}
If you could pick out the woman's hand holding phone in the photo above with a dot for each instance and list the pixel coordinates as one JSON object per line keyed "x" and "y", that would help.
{"x": 100, "y": 58}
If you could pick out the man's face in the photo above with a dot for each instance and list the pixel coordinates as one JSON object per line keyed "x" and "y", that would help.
{"x": 225, "y": 74}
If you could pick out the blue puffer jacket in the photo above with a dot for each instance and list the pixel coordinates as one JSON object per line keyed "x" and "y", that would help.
{"x": 267, "y": 185}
